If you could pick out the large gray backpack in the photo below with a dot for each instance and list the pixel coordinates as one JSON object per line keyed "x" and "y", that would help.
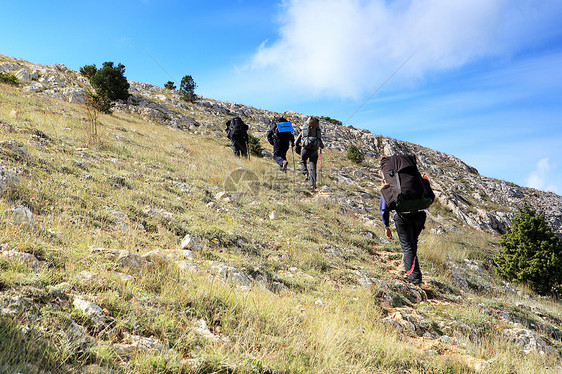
{"x": 311, "y": 134}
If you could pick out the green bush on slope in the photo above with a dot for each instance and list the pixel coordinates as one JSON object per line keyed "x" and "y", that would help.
{"x": 530, "y": 252}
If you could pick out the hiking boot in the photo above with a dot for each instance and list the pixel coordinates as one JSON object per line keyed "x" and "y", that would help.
{"x": 414, "y": 281}
{"x": 284, "y": 167}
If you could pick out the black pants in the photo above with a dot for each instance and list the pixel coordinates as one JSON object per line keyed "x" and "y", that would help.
{"x": 310, "y": 155}
{"x": 409, "y": 226}
{"x": 239, "y": 147}
{"x": 280, "y": 148}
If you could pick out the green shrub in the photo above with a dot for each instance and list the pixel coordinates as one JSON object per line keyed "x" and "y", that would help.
{"x": 9, "y": 79}
{"x": 354, "y": 154}
{"x": 530, "y": 252}
{"x": 187, "y": 88}
{"x": 254, "y": 146}
{"x": 110, "y": 81}
{"x": 88, "y": 70}
{"x": 332, "y": 121}
{"x": 170, "y": 85}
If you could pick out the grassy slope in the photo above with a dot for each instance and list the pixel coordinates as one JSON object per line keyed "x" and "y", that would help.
{"x": 141, "y": 187}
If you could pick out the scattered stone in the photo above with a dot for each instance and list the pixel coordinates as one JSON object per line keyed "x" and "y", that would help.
{"x": 273, "y": 215}
{"x": 109, "y": 254}
{"x": 202, "y": 329}
{"x": 529, "y": 341}
{"x": 87, "y": 276}
{"x": 155, "y": 256}
{"x": 124, "y": 277}
{"x": 231, "y": 275}
{"x": 23, "y": 258}
{"x": 140, "y": 344}
{"x": 9, "y": 183}
{"x": 191, "y": 242}
{"x": 87, "y": 307}
{"x": 224, "y": 196}
{"x": 18, "y": 149}
{"x": 20, "y": 216}
{"x": 129, "y": 259}
{"x": 187, "y": 266}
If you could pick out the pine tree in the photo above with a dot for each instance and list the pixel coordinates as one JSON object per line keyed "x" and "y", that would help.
{"x": 254, "y": 146}
{"x": 187, "y": 88}
{"x": 530, "y": 252}
{"x": 110, "y": 82}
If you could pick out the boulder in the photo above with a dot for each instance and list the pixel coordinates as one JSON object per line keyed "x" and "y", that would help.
{"x": 191, "y": 242}
{"x": 9, "y": 183}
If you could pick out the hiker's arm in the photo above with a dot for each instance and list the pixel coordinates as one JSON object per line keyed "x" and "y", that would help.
{"x": 385, "y": 216}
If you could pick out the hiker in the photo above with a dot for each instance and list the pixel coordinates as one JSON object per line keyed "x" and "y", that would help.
{"x": 280, "y": 140}
{"x": 309, "y": 142}
{"x": 237, "y": 132}
{"x": 407, "y": 193}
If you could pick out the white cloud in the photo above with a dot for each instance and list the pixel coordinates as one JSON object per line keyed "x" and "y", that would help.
{"x": 540, "y": 178}
{"x": 345, "y": 48}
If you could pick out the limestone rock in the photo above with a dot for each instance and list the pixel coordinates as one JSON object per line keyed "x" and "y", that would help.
{"x": 20, "y": 216}
{"x": 26, "y": 259}
{"x": 87, "y": 307}
{"x": 9, "y": 183}
{"x": 191, "y": 242}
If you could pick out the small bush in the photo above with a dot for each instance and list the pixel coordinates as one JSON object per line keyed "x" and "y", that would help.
{"x": 170, "y": 85}
{"x": 530, "y": 252}
{"x": 9, "y": 79}
{"x": 254, "y": 146}
{"x": 354, "y": 154}
{"x": 332, "y": 121}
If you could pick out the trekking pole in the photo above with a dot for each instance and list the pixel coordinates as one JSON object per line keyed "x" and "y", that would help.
{"x": 320, "y": 165}
{"x": 248, "y": 149}
{"x": 293, "y": 152}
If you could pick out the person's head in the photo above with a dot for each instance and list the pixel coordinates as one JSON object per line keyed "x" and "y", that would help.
{"x": 313, "y": 122}
{"x": 278, "y": 120}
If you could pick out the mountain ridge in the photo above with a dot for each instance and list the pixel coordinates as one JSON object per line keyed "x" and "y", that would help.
{"x": 161, "y": 106}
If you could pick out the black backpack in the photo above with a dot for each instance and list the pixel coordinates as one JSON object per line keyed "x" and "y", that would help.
{"x": 273, "y": 132}
{"x": 236, "y": 128}
{"x": 311, "y": 134}
{"x": 405, "y": 189}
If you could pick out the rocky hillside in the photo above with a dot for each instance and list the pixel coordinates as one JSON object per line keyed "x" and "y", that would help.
{"x": 477, "y": 201}
{"x": 150, "y": 248}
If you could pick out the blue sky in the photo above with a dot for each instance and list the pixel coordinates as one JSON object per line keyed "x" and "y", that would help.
{"x": 479, "y": 79}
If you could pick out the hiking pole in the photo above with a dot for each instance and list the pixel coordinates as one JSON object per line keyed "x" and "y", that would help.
{"x": 320, "y": 165}
{"x": 248, "y": 149}
{"x": 293, "y": 152}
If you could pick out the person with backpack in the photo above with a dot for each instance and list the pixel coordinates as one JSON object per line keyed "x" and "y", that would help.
{"x": 308, "y": 144}
{"x": 237, "y": 132}
{"x": 280, "y": 140}
{"x": 407, "y": 193}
